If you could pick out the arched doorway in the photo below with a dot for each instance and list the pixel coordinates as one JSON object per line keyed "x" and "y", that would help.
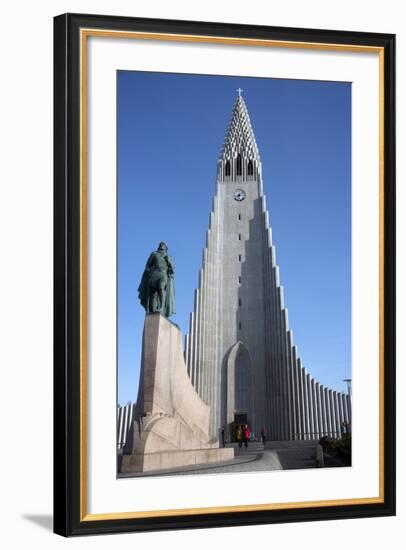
{"x": 239, "y": 387}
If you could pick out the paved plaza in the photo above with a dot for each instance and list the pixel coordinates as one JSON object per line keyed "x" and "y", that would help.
{"x": 274, "y": 455}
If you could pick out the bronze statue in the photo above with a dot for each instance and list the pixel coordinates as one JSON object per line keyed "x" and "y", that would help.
{"x": 157, "y": 288}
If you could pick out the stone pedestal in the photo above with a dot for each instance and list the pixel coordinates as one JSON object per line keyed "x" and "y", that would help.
{"x": 171, "y": 427}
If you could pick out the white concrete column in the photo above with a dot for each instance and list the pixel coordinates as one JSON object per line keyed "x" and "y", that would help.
{"x": 328, "y": 411}
{"x": 345, "y": 407}
{"x": 279, "y": 371}
{"x": 276, "y": 355}
{"x": 340, "y": 416}
{"x": 119, "y": 425}
{"x": 210, "y": 314}
{"x": 269, "y": 339}
{"x": 286, "y": 369}
{"x": 192, "y": 340}
{"x": 315, "y": 411}
{"x": 300, "y": 396}
{"x": 349, "y": 401}
{"x": 187, "y": 355}
{"x": 269, "y": 336}
{"x": 305, "y": 402}
{"x": 318, "y": 408}
{"x": 197, "y": 343}
{"x": 205, "y": 309}
{"x": 293, "y": 388}
{"x": 332, "y": 413}
{"x": 200, "y": 334}
{"x": 284, "y": 396}
{"x": 273, "y": 370}
{"x": 348, "y": 409}
{"x": 322, "y": 411}
{"x": 309, "y": 407}
{"x": 336, "y": 414}
{"x": 299, "y": 414}
{"x": 302, "y": 400}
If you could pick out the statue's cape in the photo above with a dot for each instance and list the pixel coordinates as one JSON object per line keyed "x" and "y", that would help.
{"x": 143, "y": 289}
{"x": 170, "y": 297}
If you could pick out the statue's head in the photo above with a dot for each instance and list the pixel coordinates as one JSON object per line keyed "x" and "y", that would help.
{"x": 162, "y": 247}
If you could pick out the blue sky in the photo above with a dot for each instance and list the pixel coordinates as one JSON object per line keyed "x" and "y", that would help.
{"x": 170, "y": 131}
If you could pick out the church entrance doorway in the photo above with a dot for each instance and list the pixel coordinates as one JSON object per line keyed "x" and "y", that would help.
{"x": 239, "y": 389}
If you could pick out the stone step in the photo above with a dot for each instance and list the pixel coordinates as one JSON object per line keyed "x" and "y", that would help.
{"x": 254, "y": 444}
{"x": 291, "y": 444}
{"x": 254, "y": 448}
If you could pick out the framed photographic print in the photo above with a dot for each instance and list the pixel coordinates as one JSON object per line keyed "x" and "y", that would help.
{"x": 209, "y": 178}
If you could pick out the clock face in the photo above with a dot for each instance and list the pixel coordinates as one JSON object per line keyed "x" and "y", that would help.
{"x": 239, "y": 195}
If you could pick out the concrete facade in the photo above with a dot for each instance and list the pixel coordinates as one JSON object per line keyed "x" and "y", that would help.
{"x": 171, "y": 423}
{"x": 240, "y": 352}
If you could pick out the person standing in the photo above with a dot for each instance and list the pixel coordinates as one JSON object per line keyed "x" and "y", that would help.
{"x": 263, "y": 434}
{"x": 239, "y": 435}
{"x": 223, "y": 436}
{"x": 247, "y": 435}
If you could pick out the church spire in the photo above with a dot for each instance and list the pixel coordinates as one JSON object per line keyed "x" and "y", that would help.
{"x": 239, "y": 156}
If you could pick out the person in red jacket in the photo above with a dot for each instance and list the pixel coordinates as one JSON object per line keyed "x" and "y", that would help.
{"x": 247, "y": 435}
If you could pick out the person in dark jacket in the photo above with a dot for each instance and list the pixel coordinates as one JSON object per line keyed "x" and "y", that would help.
{"x": 239, "y": 435}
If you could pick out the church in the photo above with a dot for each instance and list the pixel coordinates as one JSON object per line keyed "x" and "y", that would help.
{"x": 240, "y": 353}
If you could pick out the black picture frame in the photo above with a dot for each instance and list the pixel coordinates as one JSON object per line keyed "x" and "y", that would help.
{"x": 69, "y": 518}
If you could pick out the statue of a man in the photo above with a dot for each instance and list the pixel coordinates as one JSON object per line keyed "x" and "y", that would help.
{"x": 157, "y": 288}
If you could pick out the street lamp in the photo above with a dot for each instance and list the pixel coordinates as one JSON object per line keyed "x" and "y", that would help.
{"x": 349, "y": 391}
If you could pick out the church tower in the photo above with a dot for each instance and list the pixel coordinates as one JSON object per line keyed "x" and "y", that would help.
{"x": 240, "y": 352}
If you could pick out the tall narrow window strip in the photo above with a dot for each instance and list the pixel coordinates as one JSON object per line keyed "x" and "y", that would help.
{"x": 239, "y": 165}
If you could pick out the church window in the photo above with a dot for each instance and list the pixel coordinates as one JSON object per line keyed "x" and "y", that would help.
{"x": 227, "y": 171}
{"x": 239, "y": 302}
{"x": 239, "y": 280}
{"x": 239, "y": 166}
{"x": 250, "y": 168}
{"x": 239, "y": 236}
{"x": 239, "y": 216}
{"x": 239, "y": 325}
{"x": 239, "y": 257}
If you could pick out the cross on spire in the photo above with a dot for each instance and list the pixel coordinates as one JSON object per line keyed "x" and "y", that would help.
{"x": 239, "y": 138}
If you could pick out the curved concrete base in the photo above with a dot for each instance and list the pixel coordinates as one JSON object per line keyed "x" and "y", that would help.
{"x": 165, "y": 460}
{"x": 171, "y": 426}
